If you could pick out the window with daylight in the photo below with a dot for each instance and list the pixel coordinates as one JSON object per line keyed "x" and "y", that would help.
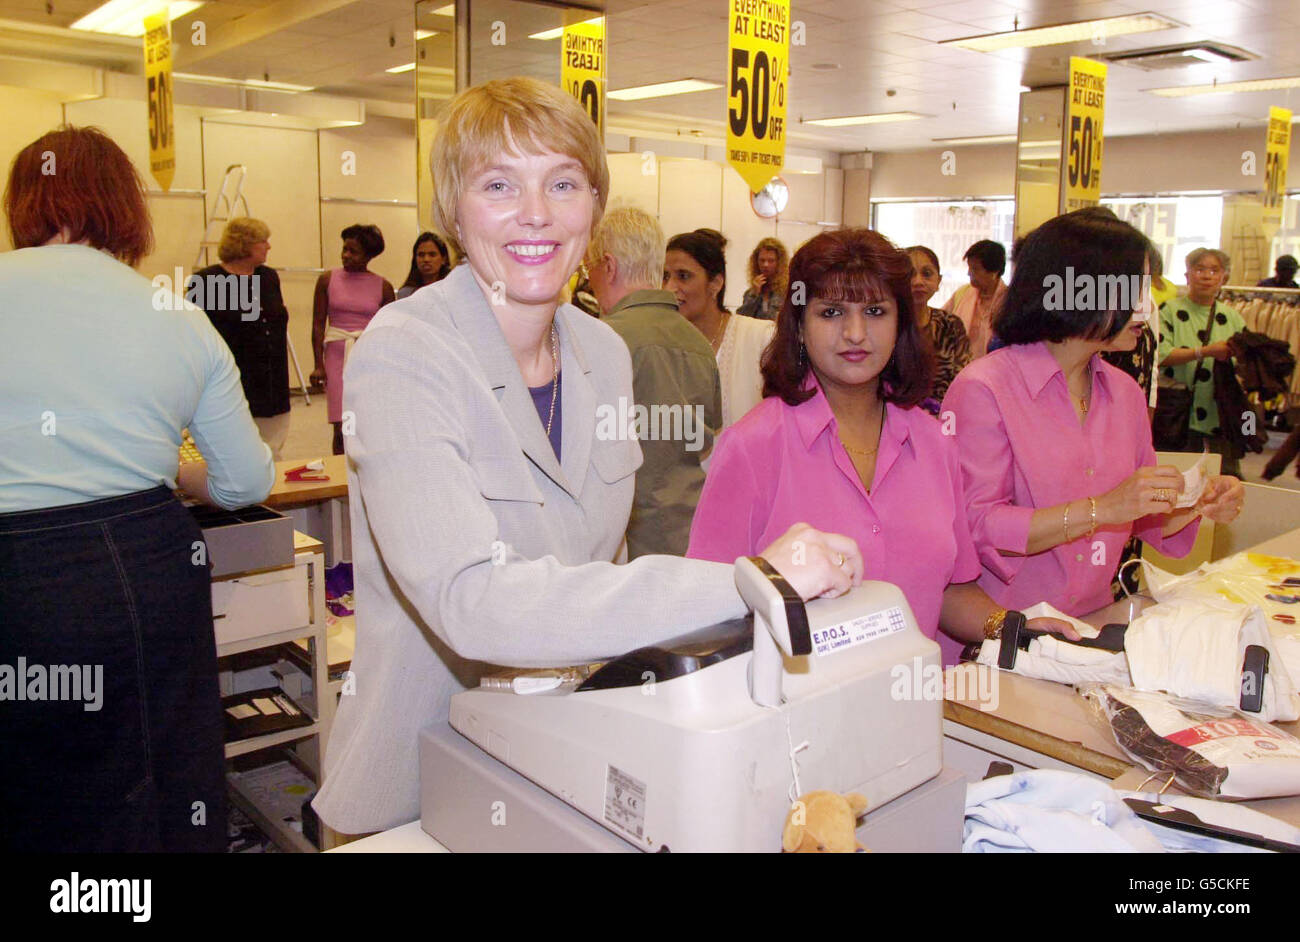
{"x": 949, "y": 228}
{"x": 1176, "y": 224}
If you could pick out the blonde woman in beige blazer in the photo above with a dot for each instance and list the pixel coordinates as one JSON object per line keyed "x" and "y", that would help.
{"x": 476, "y": 535}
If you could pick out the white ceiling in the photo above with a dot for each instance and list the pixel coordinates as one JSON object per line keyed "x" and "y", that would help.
{"x": 879, "y": 45}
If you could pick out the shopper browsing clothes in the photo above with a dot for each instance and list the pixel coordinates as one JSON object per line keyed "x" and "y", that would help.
{"x": 769, "y": 277}
{"x": 695, "y": 271}
{"x": 346, "y": 299}
{"x": 1194, "y": 333}
{"x": 487, "y": 510}
{"x": 1055, "y": 444}
{"x": 430, "y": 262}
{"x": 838, "y": 441}
{"x": 242, "y": 298}
{"x": 102, "y": 589}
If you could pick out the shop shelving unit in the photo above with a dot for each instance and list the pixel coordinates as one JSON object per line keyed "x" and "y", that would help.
{"x": 304, "y": 746}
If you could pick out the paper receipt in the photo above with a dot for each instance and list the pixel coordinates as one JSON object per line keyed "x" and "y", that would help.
{"x": 1194, "y": 481}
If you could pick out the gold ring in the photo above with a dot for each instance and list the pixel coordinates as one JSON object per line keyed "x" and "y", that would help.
{"x": 839, "y": 560}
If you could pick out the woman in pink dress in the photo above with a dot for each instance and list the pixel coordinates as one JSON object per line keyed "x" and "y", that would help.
{"x": 838, "y": 441}
{"x": 346, "y": 299}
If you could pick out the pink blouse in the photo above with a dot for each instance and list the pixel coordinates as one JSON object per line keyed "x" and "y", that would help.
{"x": 1022, "y": 447}
{"x": 781, "y": 465}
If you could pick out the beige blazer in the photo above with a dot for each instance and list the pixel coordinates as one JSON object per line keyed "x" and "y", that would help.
{"x": 472, "y": 544}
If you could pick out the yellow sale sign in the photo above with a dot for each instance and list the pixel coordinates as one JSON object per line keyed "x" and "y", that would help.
{"x": 158, "y": 87}
{"x": 582, "y": 68}
{"x": 1276, "y": 155}
{"x": 758, "y": 55}
{"x": 1085, "y": 111}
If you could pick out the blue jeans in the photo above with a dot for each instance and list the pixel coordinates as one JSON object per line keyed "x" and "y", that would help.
{"x": 112, "y": 589}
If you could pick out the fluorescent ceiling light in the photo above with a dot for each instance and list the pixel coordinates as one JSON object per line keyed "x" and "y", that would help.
{"x": 398, "y": 69}
{"x": 246, "y": 83}
{"x": 559, "y": 31}
{"x": 1081, "y": 31}
{"x": 1023, "y": 88}
{"x": 1206, "y": 55}
{"x": 660, "y": 89}
{"x": 126, "y": 17}
{"x": 425, "y": 33}
{"x": 1226, "y": 88}
{"x": 987, "y": 139}
{"x": 865, "y": 119}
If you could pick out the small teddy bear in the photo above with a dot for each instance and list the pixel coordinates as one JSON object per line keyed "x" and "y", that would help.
{"x": 823, "y": 823}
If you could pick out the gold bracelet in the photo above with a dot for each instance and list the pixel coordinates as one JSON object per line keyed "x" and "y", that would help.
{"x": 1065, "y": 522}
{"x": 993, "y": 624}
{"x": 1092, "y": 516}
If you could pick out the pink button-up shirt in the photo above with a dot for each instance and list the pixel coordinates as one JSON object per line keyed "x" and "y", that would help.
{"x": 1022, "y": 447}
{"x": 781, "y": 465}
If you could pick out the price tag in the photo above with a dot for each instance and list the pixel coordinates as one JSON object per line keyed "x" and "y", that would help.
{"x": 158, "y": 88}
{"x": 758, "y": 54}
{"x": 1276, "y": 155}
{"x": 582, "y": 68}
{"x": 1085, "y": 110}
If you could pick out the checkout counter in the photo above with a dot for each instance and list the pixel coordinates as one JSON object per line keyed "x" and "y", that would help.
{"x": 1032, "y": 724}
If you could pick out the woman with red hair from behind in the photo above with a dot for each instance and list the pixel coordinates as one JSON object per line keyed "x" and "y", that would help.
{"x": 115, "y": 741}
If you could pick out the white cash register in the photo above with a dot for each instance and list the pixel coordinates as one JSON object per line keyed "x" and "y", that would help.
{"x": 697, "y": 744}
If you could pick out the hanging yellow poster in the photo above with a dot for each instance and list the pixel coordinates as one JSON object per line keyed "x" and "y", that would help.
{"x": 158, "y": 88}
{"x": 1085, "y": 111}
{"x": 1276, "y": 155}
{"x": 582, "y": 68}
{"x": 758, "y": 54}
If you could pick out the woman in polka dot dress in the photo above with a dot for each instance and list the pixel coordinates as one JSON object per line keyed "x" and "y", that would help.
{"x": 1194, "y": 332}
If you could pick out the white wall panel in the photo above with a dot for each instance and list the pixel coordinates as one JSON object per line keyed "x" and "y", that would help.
{"x": 743, "y": 228}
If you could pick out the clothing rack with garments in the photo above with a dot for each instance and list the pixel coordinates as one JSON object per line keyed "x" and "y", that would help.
{"x": 1274, "y": 312}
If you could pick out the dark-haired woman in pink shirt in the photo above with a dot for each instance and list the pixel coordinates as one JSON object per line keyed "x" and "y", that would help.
{"x": 1055, "y": 443}
{"x": 838, "y": 442}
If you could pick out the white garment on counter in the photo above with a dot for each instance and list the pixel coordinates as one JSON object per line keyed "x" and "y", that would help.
{"x": 1194, "y": 648}
{"x": 1061, "y": 662}
{"x": 1047, "y": 810}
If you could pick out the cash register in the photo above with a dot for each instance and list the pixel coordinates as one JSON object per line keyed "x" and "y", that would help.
{"x": 702, "y": 743}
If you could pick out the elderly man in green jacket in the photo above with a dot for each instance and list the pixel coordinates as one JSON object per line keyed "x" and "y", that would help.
{"x": 678, "y": 397}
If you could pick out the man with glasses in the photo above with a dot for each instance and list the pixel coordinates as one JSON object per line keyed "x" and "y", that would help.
{"x": 1194, "y": 332}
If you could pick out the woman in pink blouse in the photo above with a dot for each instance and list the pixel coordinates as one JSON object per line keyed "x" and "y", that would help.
{"x": 1055, "y": 443}
{"x": 838, "y": 443}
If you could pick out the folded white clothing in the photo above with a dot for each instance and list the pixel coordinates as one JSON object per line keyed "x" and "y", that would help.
{"x": 1194, "y": 648}
{"x": 1043, "y": 610}
{"x": 1047, "y": 810}
{"x": 1061, "y": 662}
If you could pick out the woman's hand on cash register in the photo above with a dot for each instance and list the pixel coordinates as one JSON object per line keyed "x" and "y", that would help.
{"x": 815, "y": 563}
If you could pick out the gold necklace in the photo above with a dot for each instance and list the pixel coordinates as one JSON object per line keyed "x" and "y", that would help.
{"x": 863, "y": 452}
{"x": 555, "y": 377}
